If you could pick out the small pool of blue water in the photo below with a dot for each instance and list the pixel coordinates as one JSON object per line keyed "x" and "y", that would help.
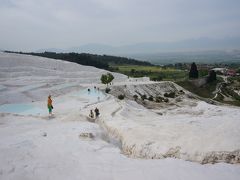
{"x": 23, "y": 109}
{"x": 91, "y": 94}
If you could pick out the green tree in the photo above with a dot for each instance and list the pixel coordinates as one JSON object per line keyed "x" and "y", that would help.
{"x": 104, "y": 79}
{"x": 193, "y": 73}
{"x": 212, "y": 76}
{"x": 107, "y": 78}
{"x": 110, "y": 77}
{"x": 135, "y": 97}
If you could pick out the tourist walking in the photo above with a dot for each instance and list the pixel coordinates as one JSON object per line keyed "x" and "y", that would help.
{"x": 49, "y": 105}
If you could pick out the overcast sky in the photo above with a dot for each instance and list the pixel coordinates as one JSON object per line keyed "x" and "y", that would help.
{"x": 34, "y": 24}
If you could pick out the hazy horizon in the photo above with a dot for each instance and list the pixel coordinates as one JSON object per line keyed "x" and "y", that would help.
{"x": 30, "y": 25}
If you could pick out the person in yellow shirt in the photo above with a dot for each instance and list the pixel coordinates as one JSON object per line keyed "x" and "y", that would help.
{"x": 49, "y": 105}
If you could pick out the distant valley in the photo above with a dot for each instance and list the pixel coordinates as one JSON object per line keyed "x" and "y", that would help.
{"x": 202, "y": 50}
{"x": 206, "y": 57}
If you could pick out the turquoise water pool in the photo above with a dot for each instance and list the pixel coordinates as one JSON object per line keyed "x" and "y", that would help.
{"x": 23, "y": 109}
{"x": 92, "y": 95}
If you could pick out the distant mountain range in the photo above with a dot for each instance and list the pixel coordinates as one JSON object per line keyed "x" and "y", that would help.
{"x": 202, "y": 50}
{"x": 201, "y": 44}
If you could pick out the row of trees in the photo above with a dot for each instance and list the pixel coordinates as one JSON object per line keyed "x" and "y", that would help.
{"x": 99, "y": 61}
{"x": 193, "y": 73}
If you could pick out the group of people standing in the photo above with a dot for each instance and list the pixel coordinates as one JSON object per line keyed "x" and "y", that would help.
{"x": 97, "y": 113}
{"x": 95, "y": 88}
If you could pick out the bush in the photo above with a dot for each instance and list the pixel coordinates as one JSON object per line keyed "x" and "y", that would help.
{"x": 157, "y": 78}
{"x": 181, "y": 92}
{"x": 135, "y": 97}
{"x": 166, "y": 100}
{"x": 170, "y": 95}
{"x": 143, "y": 97}
{"x": 150, "y": 98}
{"x": 107, "y": 90}
{"x": 121, "y": 96}
{"x": 159, "y": 99}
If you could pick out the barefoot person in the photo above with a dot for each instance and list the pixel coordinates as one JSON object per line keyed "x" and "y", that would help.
{"x": 49, "y": 104}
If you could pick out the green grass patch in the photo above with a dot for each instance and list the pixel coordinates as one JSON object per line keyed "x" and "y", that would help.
{"x": 154, "y": 72}
{"x": 129, "y": 68}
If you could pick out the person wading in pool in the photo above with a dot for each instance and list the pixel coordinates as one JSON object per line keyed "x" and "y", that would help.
{"x": 49, "y": 104}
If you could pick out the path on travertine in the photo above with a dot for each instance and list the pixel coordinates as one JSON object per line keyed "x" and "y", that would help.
{"x": 219, "y": 89}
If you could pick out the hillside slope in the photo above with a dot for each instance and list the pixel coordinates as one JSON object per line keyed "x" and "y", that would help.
{"x": 26, "y": 78}
{"x": 182, "y": 127}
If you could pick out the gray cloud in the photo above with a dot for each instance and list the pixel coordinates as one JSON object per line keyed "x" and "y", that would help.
{"x": 33, "y": 24}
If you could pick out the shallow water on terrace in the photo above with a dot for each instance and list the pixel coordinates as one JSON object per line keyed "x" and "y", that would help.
{"x": 92, "y": 95}
{"x": 23, "y": 109}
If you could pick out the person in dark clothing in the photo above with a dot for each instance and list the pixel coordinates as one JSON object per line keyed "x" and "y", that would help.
{"x": 96, "y": 112}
